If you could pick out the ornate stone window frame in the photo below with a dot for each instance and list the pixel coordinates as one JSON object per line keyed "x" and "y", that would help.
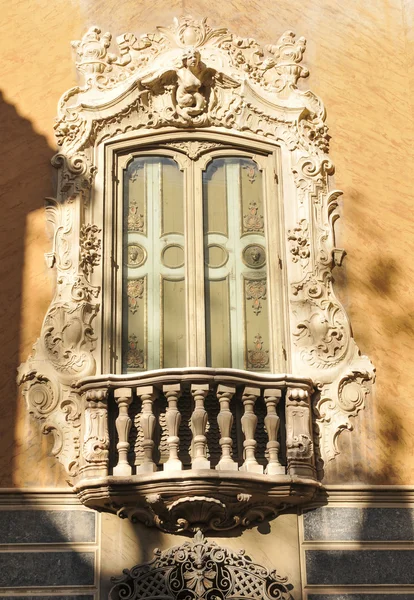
{"x": 198, "y": 148}
{"x": 246, "y": 94}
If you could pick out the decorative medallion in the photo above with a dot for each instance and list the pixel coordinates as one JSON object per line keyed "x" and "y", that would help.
{"x": 135, "y": 220}
{"x": 253, "y": 222}
{"x": 134, "y": 355}
{"x": 137, "y": 255}
{"x": 256, "y": 291}
{"x": 258, "y": 358}
{"x": 135, "y": 292}
{"x": 200, "y": 570}
{"x": 254, "y": 256}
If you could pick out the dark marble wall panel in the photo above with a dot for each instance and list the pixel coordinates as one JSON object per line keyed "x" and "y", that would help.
{"x": 383, "y": 596}
{"x": 360, "y": 567}
{"x": 41, "y": 597}
{"x": 38, "y": 569}
{"x": 366, "y": 524}
{"x": 46, "y": 526}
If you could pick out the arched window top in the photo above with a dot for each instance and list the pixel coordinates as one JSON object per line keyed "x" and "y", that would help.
{"x": 194, "y": 189}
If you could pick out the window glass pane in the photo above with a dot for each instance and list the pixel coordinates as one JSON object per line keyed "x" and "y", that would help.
{"x": 237, "y": 324}
{"x": 173, "y": 326}
{"x": 217, "y": 322}
{"x": 153, "y": 326}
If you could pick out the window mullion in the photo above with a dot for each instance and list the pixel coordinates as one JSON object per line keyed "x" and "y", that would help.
{"x": 153, "y": 312}
{"x": 194, "y": 261}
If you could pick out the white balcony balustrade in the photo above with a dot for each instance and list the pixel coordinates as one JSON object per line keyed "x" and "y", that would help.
{"x": 196, "y": 448}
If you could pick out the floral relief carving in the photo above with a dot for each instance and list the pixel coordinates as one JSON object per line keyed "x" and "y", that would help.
{"x": 200, "y": 569}
{"x": 194, "y": 149}
{"x": 135, "y": 220}
{"x": 251, "y": 171}
{"x": 134, "y": 355}
{"x": 299, "y": 242}
{"x": 253, "y": 221}
{"x": 258, "y": 358}
{"x": 135, "y": 292}
{"x": 90, "y": 246}
{"x": 256, "y": 291}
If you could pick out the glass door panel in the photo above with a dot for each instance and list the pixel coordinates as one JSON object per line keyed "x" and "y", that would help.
{"x": 237, "y": 323}
{"x": 153, "y": 325}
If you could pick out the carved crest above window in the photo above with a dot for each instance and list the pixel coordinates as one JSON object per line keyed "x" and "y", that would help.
{"x": 199, "y": 570}
{"x": 191, "y": 99}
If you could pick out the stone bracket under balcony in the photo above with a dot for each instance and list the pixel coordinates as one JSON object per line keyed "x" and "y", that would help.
{"x": 196, "y": 448}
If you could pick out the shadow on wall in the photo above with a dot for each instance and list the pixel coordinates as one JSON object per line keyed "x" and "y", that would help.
{"x": 375, "y": 451}
{"x": 376, "y": 294}
{"x": 26, "y": 289}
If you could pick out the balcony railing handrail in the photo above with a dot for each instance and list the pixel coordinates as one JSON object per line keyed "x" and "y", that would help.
{"x": 196, "y": 374}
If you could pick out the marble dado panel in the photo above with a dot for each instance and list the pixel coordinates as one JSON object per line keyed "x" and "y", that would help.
{"x": 46, "y": 569}
{"x": 361, "y": 596}
{"x": 360, "y": 567}
{"x": 71, "y": 597}
{"x": 359, "y": 524}
{"x": 49, "y": 546}
{"x": 365, "y": 546}
{"x": 47, "y": 526}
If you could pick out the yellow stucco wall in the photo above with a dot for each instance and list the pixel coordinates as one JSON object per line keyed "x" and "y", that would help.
{"x": 361, "y": 59}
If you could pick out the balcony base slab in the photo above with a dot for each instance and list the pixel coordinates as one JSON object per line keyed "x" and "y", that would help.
{"x": 196, "y": 499}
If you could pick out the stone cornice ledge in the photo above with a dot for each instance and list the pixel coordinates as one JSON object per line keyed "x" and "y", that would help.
{"x": 364, "y": 495}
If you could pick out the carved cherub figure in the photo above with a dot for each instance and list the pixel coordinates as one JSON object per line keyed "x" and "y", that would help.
{"x": 191, "y": 77}
{"x": 192, "y": 83}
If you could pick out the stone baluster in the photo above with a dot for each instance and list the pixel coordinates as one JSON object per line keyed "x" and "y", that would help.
{"x": 198, "y": 427}
{"x": 173, "y": 419}
{"x": 249, "y": 424}
{"x": 123, "y": 398}
{"x": 225, "y": 423}
{"x": 299, "y": 444}
{"x": 95, "y": 449}
{"x": 147, "y": 394}
{"x": 272, "y": 422}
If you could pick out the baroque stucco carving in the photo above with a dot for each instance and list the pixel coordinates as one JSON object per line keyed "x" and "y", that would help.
{"x": 193, "y": 78}
{"x": 198, "y": 570}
